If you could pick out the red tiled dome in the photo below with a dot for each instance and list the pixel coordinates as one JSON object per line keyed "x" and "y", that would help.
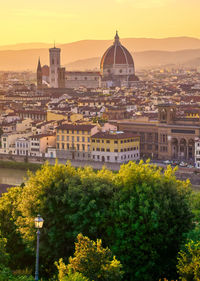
{"x": 116, "y": 54}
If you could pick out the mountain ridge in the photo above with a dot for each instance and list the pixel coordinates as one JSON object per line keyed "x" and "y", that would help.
{"x": 159, "y": 52}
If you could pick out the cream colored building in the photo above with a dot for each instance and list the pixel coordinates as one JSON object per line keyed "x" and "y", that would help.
{"x": 8, "y": 141}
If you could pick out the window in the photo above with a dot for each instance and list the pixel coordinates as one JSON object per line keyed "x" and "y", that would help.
{"x": 58, "y": 138}
{"x": 78, "y": 146}
{"x": 149, "y": 147}
{"x": 107, "y": 141}
{"x": 98, "y": 141}
{"x": 108, "y": 158}
{"x": 58, "y": 147}
{"x": 77, "y": 138}
{"x": 63, "y": 138}
{"x": 83, "y": 139}
{"x": 116, "y": 142}
{"x": 72, "y": 138}
{"x": 115, "y": 158}
{"x": 67, "y": 138}
{"x": 108, "y": 149}
{"x": 63, "y": 146}
{"x": 83, "y": 147}
{"x": 102, "y": 149}
{"x": 116, "y": 150}
{"x": 102, "y": 141}
{"x": 93, "y": 140}
{"x": 88, "y": 139}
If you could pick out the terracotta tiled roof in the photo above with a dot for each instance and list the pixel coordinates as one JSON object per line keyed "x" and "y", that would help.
{"x": 78, "y": 127}
{"x": 109, "y": 135}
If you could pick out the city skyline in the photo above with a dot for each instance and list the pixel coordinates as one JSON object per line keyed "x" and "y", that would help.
{"x": 65, "y": 22}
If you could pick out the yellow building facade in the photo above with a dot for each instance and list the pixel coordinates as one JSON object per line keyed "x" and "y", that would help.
{"x": 73, "y": 140}
{"x": 115, "y": 147}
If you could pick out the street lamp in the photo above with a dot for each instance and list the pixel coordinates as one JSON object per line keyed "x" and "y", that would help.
{"x": 38, "y": 224}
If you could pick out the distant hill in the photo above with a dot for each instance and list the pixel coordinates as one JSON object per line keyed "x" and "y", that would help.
{"x": 146, "y": 59}
{"x": 86, "y": 54}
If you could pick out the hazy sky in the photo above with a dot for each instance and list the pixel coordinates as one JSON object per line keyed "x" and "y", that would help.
{"x": 72, "y": 20}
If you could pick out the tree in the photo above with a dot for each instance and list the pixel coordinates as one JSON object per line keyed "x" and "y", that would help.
{"x": 141, "y": 214}
{"x": 93, "y": 261}
{"x": 150, "y": 216}
{"x": 65, "y": 275}
{"x": 70, "y": 201}
{"x": 189, "y": 262}
{"x": 14, "y": 247}
{"x": 3, "y": 255}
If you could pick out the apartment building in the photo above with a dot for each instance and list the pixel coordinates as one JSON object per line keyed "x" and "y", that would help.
{"x": 39, "y": 144}
{"x": 73, "y": 140}
{"x": 115, "y": 147}
{"x": 22, "y": 146}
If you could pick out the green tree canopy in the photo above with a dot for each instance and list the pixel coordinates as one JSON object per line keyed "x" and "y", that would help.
{"x": 141, "y": 214}
{"x": 189, "y": 262}
{"x": 93, "y": 261}
{"x": 15, "y": 247}
{"x": 70, "y": 201}
{"x": 150, "y": 216}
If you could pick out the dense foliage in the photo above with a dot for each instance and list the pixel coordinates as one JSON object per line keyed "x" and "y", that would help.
{"x": 94, "y": 261}
{"x": 189, "y": 262}
{"x": 141, "y": 214}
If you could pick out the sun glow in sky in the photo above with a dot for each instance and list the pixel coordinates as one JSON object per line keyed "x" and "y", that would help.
{"x": 72, "y": 20}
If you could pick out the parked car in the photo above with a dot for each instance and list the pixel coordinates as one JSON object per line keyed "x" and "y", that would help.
{"x": 183, "y": 164}
{"x": 167, "y": 162}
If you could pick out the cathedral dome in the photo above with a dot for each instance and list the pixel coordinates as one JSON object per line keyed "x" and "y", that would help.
{"x": 117, "y": 66}
{"x": 117, "y": 54}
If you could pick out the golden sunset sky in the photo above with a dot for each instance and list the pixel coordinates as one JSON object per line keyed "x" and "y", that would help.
{"x": 72, "y": 20}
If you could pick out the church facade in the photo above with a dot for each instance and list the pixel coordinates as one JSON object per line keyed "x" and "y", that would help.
{"x": 116, "y": 69}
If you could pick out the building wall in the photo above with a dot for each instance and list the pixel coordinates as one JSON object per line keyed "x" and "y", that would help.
{"x": 47, "y": 141}
{"x": 164, "y": 141}
{"x": 197, "y": 153}
{"x": 82, "y": 79}
{"x": 115, "y": 150}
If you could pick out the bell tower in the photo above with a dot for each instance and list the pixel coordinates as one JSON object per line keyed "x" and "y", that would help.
{"x": 166, "y": 113}
{"x": 54, "y": 56}
{"x": 39, "y": 75}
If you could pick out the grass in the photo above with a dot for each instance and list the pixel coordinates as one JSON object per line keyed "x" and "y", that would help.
{"x": 19, "y": 165}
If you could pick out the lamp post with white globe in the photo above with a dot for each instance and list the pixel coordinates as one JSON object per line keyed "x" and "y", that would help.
{"x": 38, "y": 225}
